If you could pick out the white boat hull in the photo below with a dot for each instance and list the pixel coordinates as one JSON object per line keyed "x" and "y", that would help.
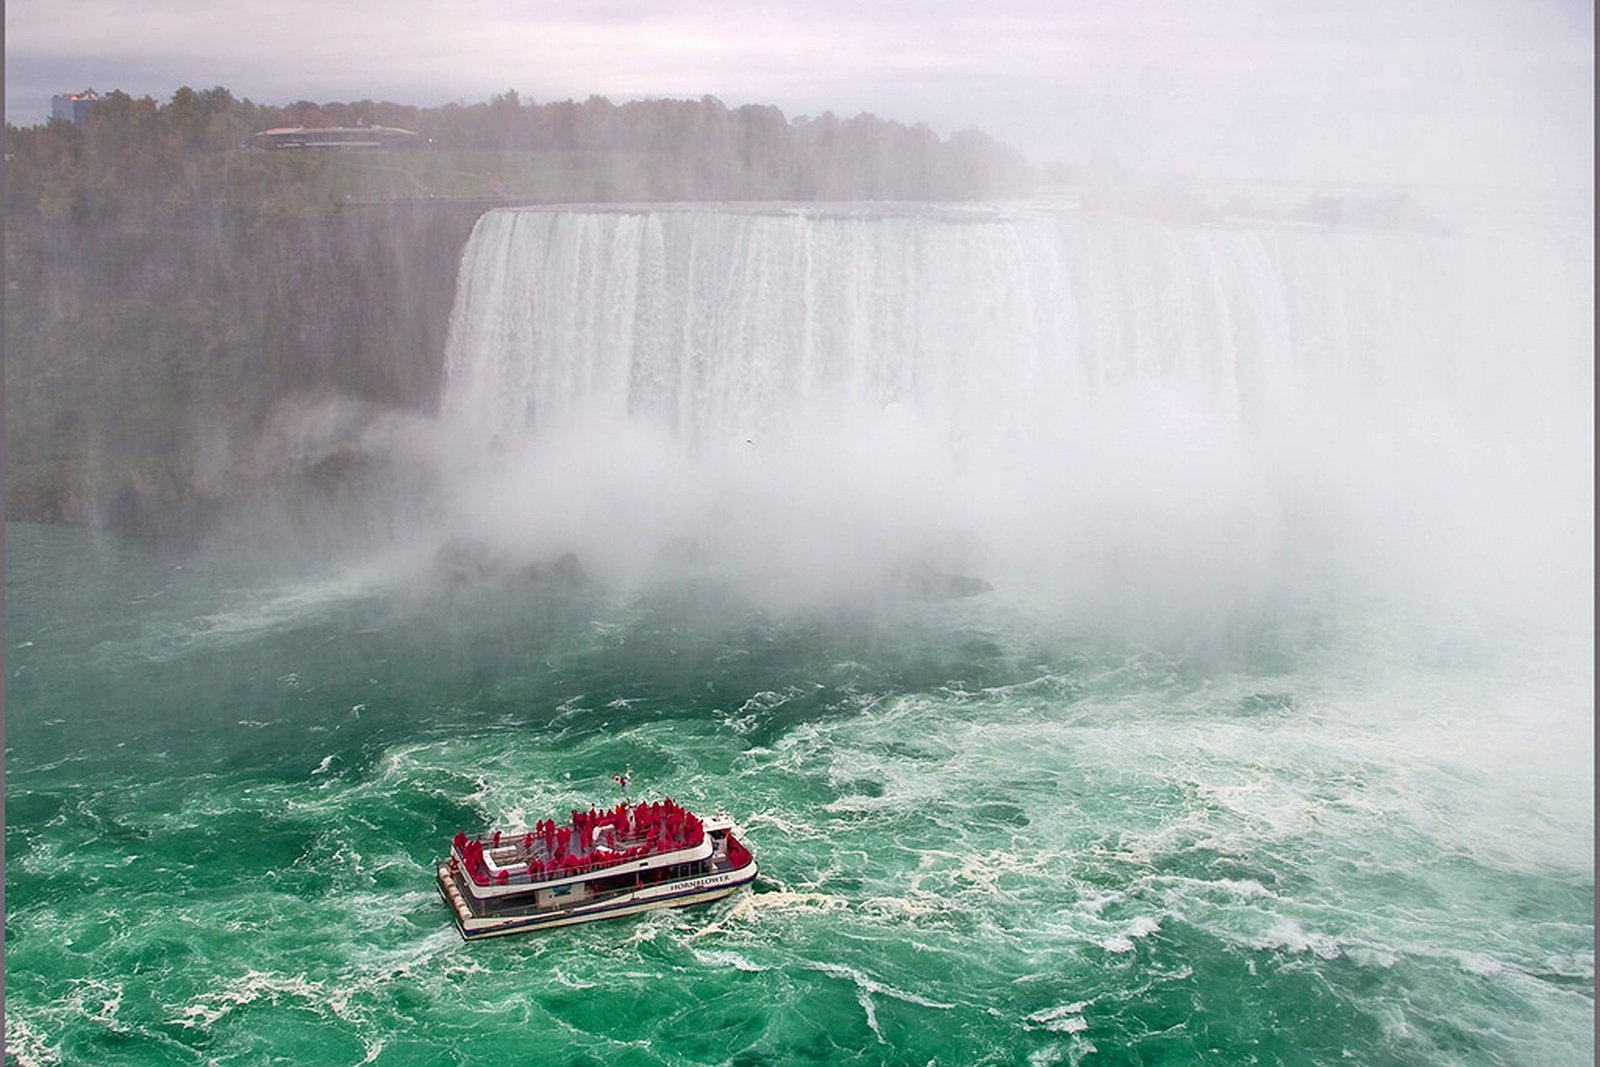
{"x": 700, "y": 889}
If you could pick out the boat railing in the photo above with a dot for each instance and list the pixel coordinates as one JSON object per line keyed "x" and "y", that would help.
{"x": 512, "y": 866}
{"x": 592, "y": 841}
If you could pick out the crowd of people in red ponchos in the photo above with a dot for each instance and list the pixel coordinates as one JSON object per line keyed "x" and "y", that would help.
{"x": 593, "y": 840}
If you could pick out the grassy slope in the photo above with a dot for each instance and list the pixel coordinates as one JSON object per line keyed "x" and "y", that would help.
{"x": 547, "y": 175}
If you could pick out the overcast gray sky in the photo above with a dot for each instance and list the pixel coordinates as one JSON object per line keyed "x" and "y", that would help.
{"x": 1390, "y": 91}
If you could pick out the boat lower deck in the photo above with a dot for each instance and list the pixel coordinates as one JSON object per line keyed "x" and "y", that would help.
{"x": 474, "y": 920}
{"x": 539, "y": 905}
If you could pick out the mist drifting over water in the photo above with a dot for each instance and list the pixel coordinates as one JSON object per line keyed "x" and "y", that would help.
{"x": 1115, "y": 413}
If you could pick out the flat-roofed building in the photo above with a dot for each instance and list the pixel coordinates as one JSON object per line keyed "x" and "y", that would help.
{"x": 335, "y": 137}
{"x": 73, "y": 107}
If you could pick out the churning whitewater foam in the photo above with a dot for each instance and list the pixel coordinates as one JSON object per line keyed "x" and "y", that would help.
{"x": 1115, "y": 406}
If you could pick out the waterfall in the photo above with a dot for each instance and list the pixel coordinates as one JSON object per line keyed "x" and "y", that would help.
{"x": 1054, "y": 383}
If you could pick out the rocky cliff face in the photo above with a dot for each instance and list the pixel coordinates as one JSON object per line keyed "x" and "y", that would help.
{"x": 148, "y": 365}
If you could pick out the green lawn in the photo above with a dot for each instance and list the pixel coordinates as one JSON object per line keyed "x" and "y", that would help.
{"x": 536, "y": 175}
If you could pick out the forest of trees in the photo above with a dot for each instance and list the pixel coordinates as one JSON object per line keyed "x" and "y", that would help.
{"x": 138, "y": 156}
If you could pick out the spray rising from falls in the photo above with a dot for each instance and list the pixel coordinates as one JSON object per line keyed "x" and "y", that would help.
{"x": 1107, "y": 407}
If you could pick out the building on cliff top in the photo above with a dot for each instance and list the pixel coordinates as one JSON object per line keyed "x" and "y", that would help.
{"x": 73, "y": 107}
{"x": 336, "y": 137}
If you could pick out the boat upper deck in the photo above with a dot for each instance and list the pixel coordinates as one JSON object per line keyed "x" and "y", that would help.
{"x": 591, "y": 842}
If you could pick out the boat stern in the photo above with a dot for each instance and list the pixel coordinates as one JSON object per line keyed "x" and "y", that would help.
{"x": 450, "y": 889}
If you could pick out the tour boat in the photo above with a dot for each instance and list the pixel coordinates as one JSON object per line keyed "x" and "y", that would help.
{"x": 599, "y": 865}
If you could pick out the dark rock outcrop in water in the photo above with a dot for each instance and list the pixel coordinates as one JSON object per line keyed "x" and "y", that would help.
{"x": 467, "y": 561}
{"x": 919, "y": 581}
{"x": 566, "y": 569}
{"x": 151, "y": 503}
{"x": 464, "y": 561}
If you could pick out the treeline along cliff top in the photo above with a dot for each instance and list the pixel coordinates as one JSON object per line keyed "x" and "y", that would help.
{"x": 174, "y": 291}
{"x": 134, "y": 153}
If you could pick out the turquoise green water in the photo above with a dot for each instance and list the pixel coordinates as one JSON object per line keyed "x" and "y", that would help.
{"x": 990, "y": 831}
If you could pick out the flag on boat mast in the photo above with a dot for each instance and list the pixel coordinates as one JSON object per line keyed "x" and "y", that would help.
{"x": 625, "y": 779}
